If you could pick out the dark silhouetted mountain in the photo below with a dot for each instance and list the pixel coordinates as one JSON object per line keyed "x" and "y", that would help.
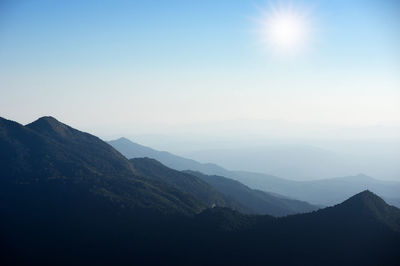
{"x": 191, "y": 184}
{"x": 367, "y": 207}
{"x": 47, "y": 155}
{"x": 360, "y": 231}
{"x": 256, "y": 201}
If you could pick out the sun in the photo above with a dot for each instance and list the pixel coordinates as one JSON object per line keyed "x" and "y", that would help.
{"x": 284, "y": 29}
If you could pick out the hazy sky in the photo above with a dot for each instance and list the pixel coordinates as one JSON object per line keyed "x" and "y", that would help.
{"x": 143, "y": 66}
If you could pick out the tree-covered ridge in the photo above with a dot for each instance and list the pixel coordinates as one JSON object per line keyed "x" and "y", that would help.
{"x": 50, "y": 153}
{"x": 154, "y": 170}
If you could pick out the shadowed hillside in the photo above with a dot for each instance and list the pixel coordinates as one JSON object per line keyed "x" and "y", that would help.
{"x": 191, "y": 184}
{"x": 49, "y": 155}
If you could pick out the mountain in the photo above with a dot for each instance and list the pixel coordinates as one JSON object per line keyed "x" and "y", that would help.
{"x": 367, "y": 207}
{"x": 324, "y": 192}
{"x": 219, "y": 191}
{"x": 133, "y": 150}
{"x": 257, "y": 201}
{"x": 48, "y": 156}
{"x": 186, "y": 182}
{"x": 297, "y": 161}
{"x": 362, "y": 230}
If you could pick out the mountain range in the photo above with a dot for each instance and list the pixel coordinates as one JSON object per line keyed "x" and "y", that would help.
{"x": 323, "y": 192}
{"x": 257, "y": 201}
{"x": 296, "y": 159}
{"x": 67, "y": 197}
{"x": 51, "y": 157}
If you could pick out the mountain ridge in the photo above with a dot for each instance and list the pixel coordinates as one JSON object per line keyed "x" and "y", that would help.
{"x": 324, "y": 192}
{"x": 152, "y": 169}
{"x": 38, "y": 156}
{"x": 258, "y": 201}
{"x": 261, "y": 202}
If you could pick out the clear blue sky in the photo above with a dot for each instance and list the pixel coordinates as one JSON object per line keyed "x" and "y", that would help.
{"x": 153, "y": 64}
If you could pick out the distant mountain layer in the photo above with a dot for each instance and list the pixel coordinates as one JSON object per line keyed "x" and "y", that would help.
{"x": 322, "y": 192}
{"x": 133, "y": 150}
{"x": 298, "y": 162}
{"x": 241, "y": 197}
{"x": 257, "y": 201}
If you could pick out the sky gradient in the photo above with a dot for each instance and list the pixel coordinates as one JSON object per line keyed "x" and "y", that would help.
{"x": 144, "y": 66}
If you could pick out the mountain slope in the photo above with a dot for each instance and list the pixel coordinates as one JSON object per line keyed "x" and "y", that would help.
{"x": 133, "y": 150}
{"x": 366, "y": 207}
{"x": 185, "y": 182}
{"x": 257, "y": 201}
{"x": 47, "y": 156}
{"x": 363, "y": 230}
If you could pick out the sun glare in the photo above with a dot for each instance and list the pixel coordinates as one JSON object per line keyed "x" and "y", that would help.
{"x": 284, "y": 29}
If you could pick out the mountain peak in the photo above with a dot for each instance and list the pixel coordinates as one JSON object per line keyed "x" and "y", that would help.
{"x": 367, "y": 195}
{"x": 368, "y": 204}
{"x": 123, "y": 139}
{"x": 365, "y": 198}
{"x": 45, "y": 120}
{"x": 364, "y": 207}
{"x": 48, "y": 125}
